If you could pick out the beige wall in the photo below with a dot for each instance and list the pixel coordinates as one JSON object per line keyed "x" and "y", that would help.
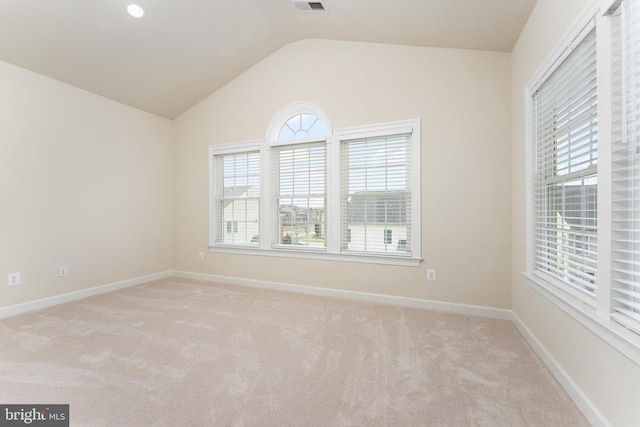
{"x": 85, "y": 182}
{"x": 463, "y": 100}
{"x": 609, "y": 379}
{"x": 100, "y": 187}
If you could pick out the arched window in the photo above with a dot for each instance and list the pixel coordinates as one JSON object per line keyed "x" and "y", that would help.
{"x": 307, "y": 190}
{"x": 298, "y": 135}
{"x": 298, "y": 122}
{"x": 302, "y": 126}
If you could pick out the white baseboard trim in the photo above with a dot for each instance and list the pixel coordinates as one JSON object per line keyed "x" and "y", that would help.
{"x": 581, "y": 400}
{"x": 584, "y": 404}
{"x": 12, "y": 310}
{"x": 471, "y": 310}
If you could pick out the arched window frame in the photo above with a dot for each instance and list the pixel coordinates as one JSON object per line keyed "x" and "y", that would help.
{"x": 270, "y": 242}
{"x": 286, "y": 113}
{"x": 270, "y": 235}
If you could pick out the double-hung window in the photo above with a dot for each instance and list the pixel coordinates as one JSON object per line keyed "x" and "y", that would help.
{"x": 235, "y": 201}
{"x": 584, "y": 175}
{"x": 376, "y": 194}
{"x": 305, "y": 191}
{"x": 566, "y": 170}
{"x": 625, "y": 211}
{"x": 298, "y": 168}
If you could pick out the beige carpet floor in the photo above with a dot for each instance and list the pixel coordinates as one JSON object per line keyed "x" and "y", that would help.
{"x": 180, "y": 352}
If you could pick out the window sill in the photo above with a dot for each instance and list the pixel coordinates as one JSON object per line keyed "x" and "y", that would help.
{"x": 320, "y": 255}
{"x": 619, "y": 337}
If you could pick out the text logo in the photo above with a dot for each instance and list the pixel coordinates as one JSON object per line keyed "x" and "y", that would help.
{"x": 34, "y": 415}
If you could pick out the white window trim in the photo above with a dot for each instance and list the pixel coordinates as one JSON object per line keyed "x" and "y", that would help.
{"x": 216, "y": 150}
{"x": 594, "y": 315}
{"x": 271, "y": 141}
{"x": 268, "y": 229}
{"x": 286, "y": 112}
{"x": 382, "y": 130}
{"x": 332, "y": 252}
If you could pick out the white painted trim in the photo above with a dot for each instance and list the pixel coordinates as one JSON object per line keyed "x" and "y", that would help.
{"x": 222, "y": 149}
{"x": 604, "y": 61}
{"x": 317, "y": 254}
{"x": 470, "y": 310}
{"x": 619, "y": 337}
{"x": 300, "y": 141}
{"x": 333, "y": 232}
{"x": 407, "y": 126}
{"x": 333, "y": 249}
{"x": 379, "y": 130}
{"x": 529, "y": 168}
{"x": 38, "y": 304}
{"x": 581, "y": 400}
{"x": 592, "y": 313}
{"x": 576, "y": 32}
{"x": 235, "y": 147}
{"x": 290, "y": 110}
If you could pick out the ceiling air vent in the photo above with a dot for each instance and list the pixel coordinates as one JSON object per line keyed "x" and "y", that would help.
{"x": 309, "y": 6}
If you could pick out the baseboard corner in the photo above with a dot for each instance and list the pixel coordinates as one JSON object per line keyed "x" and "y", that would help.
{"x": 41, "y": 303}
{"x": 579, "y": 398}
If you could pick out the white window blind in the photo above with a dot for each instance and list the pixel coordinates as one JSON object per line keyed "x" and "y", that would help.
{"x": 565, "y": 181}
{"x": 299, "y": 185}
{"x": 297, "y": 171}
{"x": 625, "y": 262}
{"x": 237, "y": 198}
{"x": 376, "y": 195}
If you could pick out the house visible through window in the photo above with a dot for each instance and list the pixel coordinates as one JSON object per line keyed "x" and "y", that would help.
{"x": 566, "y": 180}
{"x": 347, "y": 194}
{"x": 299, "y": 182}
{"x": 376, "y": 194}
{"x": 584, "y": 221}
{"x": 236, "y": 199}
{"x": 232, "y": 226}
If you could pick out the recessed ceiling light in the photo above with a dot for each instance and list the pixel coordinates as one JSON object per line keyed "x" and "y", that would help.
{"x": 135, "y": 11}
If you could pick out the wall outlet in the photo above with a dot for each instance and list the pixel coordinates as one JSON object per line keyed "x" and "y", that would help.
{"x": 200, "y": 256}
{"x": 431, "y": 274}
{"x": 63, "y": 271}
{"x": 14, "y": 279}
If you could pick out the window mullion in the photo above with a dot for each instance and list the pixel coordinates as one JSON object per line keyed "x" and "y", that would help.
{"x": 266, "y": 206}
{"x": 333, "y": 196}
{"x": 303, "y": 168}
{"x": 605, "y": 117}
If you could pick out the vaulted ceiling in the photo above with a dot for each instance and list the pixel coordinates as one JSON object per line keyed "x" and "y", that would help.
{"x": 183, "y": 50}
